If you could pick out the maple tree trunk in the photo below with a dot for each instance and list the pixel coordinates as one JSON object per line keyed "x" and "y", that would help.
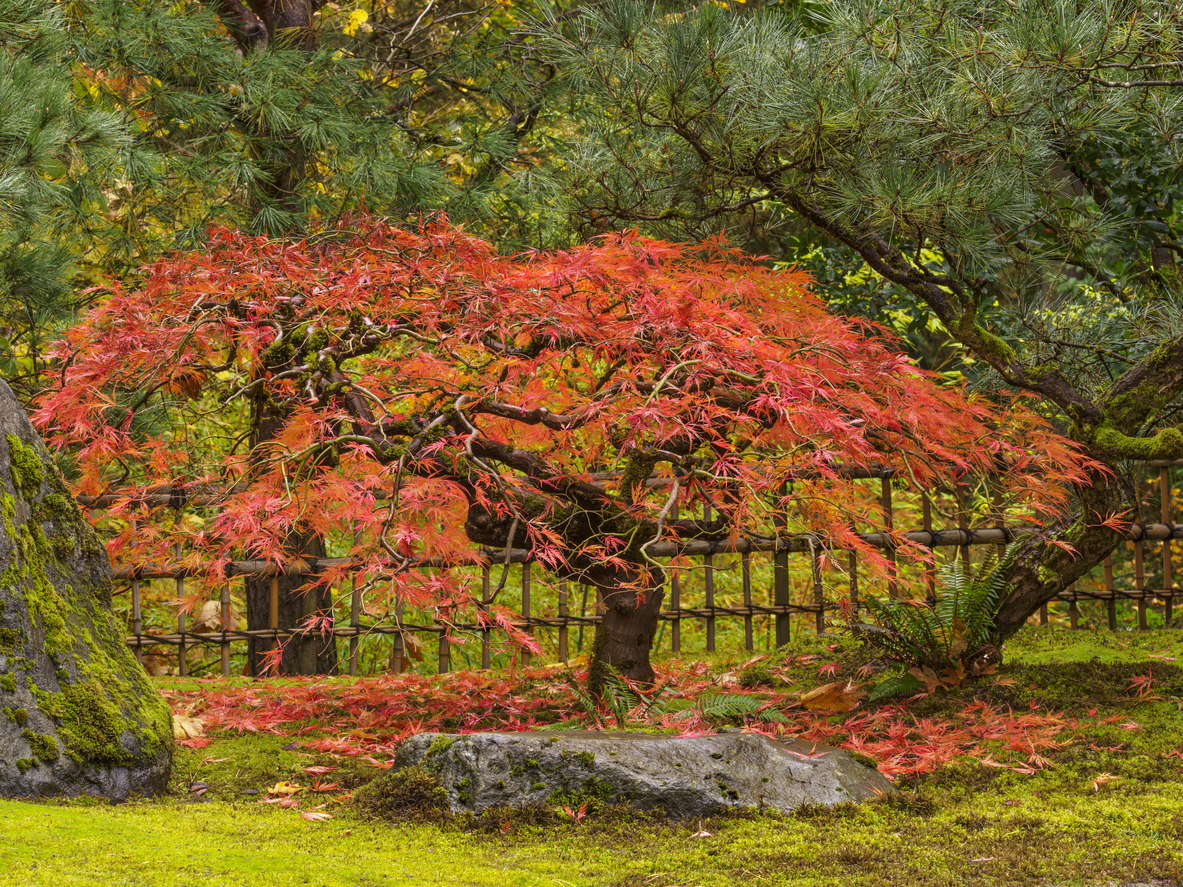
{"x": 315, "y": 654}
{"x": 624, "y": 635}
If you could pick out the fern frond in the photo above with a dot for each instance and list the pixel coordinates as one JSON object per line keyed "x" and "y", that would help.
{"x": 960, "y": 620}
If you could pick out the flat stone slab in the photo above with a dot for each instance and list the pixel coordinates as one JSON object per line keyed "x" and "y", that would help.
{"x": 687, "y": 777}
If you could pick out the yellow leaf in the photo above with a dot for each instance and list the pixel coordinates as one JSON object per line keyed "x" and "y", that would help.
{"x": 187, "y": 728}
{"x": 284, "y": 788}
{"x": 959, "y": 643}
{"x": 836, "y": 696}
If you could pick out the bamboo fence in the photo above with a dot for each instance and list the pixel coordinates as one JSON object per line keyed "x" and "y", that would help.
{"x": 1148, "y": 544}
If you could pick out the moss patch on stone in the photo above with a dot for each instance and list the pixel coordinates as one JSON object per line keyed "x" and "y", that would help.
{"x": 43, "y": 746}
{"x": 26, "y": 468}
{"x": 103, "y": 702}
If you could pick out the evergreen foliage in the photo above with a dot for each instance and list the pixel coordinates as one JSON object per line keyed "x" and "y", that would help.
{"x": 1010, "y": 172}
{"x": 268, "y": 140}
{"x": 52, "y": 156}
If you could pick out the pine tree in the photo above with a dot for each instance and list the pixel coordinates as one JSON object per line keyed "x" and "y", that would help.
{"x": 1013, "y": 169}
{"x": 52, "y": 154}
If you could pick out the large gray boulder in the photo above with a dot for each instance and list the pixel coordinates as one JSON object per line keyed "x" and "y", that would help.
{"x": 77, "y": 712}
{"x": 686, "y": 777}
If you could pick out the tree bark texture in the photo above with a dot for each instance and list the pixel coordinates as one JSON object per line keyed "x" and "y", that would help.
{"x": 1044, "y": 570}
{"x": 624, "y": 635}
{"x": 312, "y": 654}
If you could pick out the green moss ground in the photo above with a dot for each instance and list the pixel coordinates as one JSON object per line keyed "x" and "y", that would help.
{"x": 1109, "y": 808}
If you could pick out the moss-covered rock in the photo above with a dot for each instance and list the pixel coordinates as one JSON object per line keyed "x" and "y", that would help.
{"x": 81, "y": 715}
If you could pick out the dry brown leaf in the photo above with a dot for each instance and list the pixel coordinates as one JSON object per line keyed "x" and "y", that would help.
{"x": 209, "y": 618}
{"x": 185, "y": 727}
{"x": 836, "y": 696}
{"x": 953, "y": 675}
{"x": 158, "y": 666}
{"x": 926, "y": 676}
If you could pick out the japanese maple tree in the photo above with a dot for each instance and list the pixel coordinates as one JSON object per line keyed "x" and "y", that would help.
{"x": 416, "y": 393}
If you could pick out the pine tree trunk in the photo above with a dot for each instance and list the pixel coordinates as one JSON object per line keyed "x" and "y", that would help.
{"x": 624, "y": 635}
{"x": 1044, "y": 570}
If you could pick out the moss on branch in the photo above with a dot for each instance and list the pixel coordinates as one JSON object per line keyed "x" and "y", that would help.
{"x": 1112, "y": 444}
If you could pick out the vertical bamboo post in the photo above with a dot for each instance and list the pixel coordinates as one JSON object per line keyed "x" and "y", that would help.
{"x": 273, "y": 610}
{"x": 1140, "y": 581}
{"x": 675, "y": 603}
{"x": 563, "y": 654}
{"x": 354, "y": 616}
{"x": 308, "y": 639}
{"x": 1073, "y": 609}
{"x": 526, "y": 658}
{"x": 930, "y": 569}
{"x": 819, "y": 598}
{"x": 445, "y": 653}
{"x": 1043, "y": 615}
{"x": 583, "y": 613}
{"x": 746, "y": 570}
{"x": 708, "y": 577}
{"x": 225, "y": 629}
{"x": 486, "y": 634}
{"x": 852, "y": 569}
{"x": 1111, "y": 599}
{"x": 780, "y": 579}
{"x": 398, "y": 653}
{"x": 182, "y": 659}
{"x": 137, "y": 620}
{"x": 893, "y": 584}
{"x": 1164, "y": 490}
{"x": 963, "y": 525}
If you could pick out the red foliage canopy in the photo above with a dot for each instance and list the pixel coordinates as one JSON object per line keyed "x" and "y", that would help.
{"x": 410, "y": 393}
